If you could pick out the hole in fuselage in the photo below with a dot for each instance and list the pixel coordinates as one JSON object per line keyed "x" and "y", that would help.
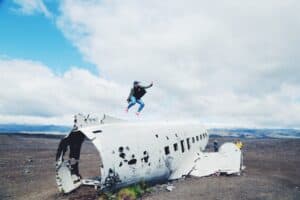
{"x": 82, "y": 155}
{"x": 90, "y": 161}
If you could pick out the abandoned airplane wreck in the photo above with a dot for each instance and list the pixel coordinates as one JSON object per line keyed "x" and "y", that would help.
{"x": 135, "y": 152}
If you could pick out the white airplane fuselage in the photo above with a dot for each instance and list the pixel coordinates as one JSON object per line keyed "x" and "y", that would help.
{"x": 143, "y": 152}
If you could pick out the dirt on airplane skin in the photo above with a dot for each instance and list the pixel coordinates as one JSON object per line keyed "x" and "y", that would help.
{"x": 27, "y": 166}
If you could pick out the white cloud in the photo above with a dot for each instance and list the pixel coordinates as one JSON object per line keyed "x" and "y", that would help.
{"x": 229, "y": 62}
{"x": 31, "y": 92}
{"x": 29, "y": 7}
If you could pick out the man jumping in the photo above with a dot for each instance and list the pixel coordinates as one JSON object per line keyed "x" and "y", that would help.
{"x": 136, "y": 93}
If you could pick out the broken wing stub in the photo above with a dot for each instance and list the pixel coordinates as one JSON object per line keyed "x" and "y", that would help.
{"x": 227, "y": 160}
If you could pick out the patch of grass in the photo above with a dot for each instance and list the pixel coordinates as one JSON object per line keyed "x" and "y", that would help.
{"x": 129, "y": 193}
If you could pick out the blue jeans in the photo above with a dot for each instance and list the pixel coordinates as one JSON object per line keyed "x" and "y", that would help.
{"x": 133, "y": 101}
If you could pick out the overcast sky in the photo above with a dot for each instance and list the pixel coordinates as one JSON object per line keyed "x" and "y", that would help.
{"x": 221, "y": 63}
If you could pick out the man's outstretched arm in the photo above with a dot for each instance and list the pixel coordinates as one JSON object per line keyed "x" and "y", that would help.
{"x": 149, "y": 86}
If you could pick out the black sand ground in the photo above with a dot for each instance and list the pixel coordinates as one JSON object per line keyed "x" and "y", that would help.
{"x": 273, "y": 172}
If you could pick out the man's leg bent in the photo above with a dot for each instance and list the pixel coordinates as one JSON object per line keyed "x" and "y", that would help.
{"x": 132, "y": 102}
{"x": 139, "y": 101}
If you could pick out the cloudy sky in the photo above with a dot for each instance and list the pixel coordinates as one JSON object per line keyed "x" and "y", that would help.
{"x": 221, "y": 63}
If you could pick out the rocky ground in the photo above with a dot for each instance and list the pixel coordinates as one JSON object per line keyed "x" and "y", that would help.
{"x": 27, "y": 169}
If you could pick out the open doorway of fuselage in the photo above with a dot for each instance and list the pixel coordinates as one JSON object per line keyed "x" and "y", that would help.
{"x": 90, "y": 161}
{"x": 77, "y": 163}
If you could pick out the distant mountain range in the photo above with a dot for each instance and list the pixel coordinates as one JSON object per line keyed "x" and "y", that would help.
{"x": 217, "y": 132}
{"x": 26, "y": 128}
{"x": 255, "y": 133}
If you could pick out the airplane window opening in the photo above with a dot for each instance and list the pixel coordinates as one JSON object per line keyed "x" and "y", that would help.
{"x": 167, "y": 150}
{"x": 156, "y": 135}
{"x": 188, "y": 143}
{"x": 167, "y": 137}
{"x": 175, "y": 147}
{"x": 197, "y": 138}
{"x": 182, "y": 145}
{"x": 193, "y": 139}
{"x": 200, "y": 137}
{"x": 97, "y": 131}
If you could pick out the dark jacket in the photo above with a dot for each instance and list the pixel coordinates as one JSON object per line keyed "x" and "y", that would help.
{"x": 138, "y": 92}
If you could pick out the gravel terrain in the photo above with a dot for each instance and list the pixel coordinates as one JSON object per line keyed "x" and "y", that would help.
{"x": 27, "y": 169}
